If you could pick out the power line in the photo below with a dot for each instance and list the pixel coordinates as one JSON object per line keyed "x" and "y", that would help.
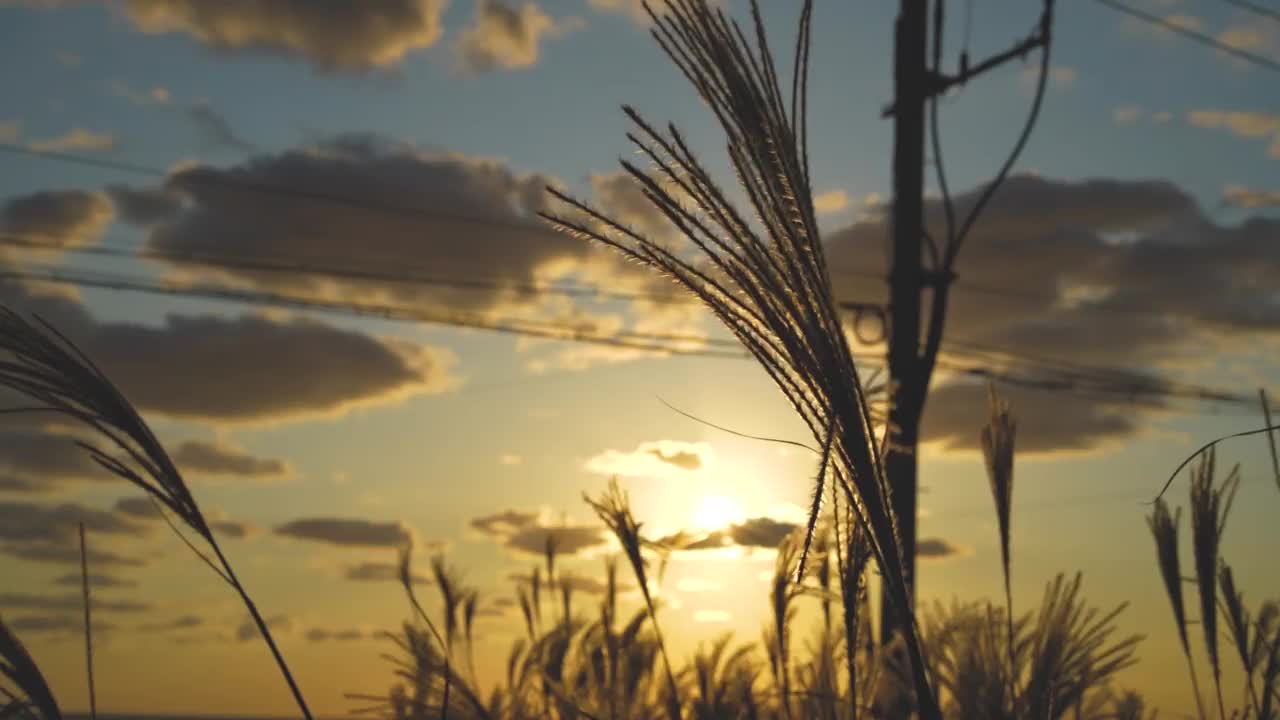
{"x": 1202, "y": 38}
{"x": 292, "y": 267}
{"x": 276, "y": 189}
{"x": 1255, "y": 8}
{"x": 637, "y": 341}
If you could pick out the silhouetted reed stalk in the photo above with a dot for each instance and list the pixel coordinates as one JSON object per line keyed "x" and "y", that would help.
{"x": 1209, "y": 509}
{"x": 88, "y": 625}
{"x": 770, "y": 288}
{"x": 43, "y": 365}
{"x": 26, "y": 689}
{"x": 1164, "y": 530}
{"x": 997, "y": 450}
{"x": 614, "y": 509}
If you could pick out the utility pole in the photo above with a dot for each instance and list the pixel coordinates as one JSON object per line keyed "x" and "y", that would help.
{"x": 910, "y": 85}
{"x": 913, "y": 342}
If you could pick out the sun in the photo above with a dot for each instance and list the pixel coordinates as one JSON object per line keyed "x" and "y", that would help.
{"x": 716, "y": 513}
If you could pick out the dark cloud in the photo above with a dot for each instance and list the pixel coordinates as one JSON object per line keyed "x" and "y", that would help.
{"x": 938, "y": 549}
{"x": 137, "y": 507}
{"x": 68, "y": 602}
{"x": 529, "y": 532}
{"x": 215, "y": 130}
{"x": 331, "y": 36}
{"x": 9, "y": 483}
{"x": 316, "y": 634}
{"x": 223, "y": 458}
{"x": 234, "y": 529}
{"x": 407, "y": 210}
{"x": 502, "y": 36}
{"x": 23, "y": 522}
{"x": 380, "y": 572}
{"x": 1124, "y": 273}
{"x": 143, "y": 206}
{"x": 759, "y": 532}
{"x": 61, "y": 218}
{"x": 39, "y": 461}
{"x": 56, "y": 624}
{"x": 277, "y": 624}
{"x": 184, "y": 622}
{"x": 348, "y": 532}
{"x": 96, "y": 580}
{"x": 67, "y": 554}
{"x": 682, "y": 459}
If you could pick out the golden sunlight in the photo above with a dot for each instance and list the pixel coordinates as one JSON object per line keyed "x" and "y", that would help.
{"x": 717, "y": 512}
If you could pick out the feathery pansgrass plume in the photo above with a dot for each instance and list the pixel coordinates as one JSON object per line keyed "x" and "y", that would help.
{"x": 406, "y": 581}
{"x": 1266, "y": 652}
{"x": 782, "y": 591}
{"x": 614, "y": 509}
{"x": 469, "y": 606}
{"x": 535, "y": 594}
{"x": 1238, "y": 625}
{"x": 1071, "y": 651}
{"x": 766, "y": 278}
{"x": 420, "y": 665}
{"x": 41, "y": 364}
{"x": 1209, "y": 509}
{"x": 853, "y": 599}
{"x": 1164, "y": 530}
{"x": 23, "y": 690}
{"x": 997, "y": 450}
{"x": 88, "y": 624}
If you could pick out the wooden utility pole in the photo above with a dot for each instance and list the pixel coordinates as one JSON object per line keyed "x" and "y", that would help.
{"x": 913, "y": 342}
{"x": 910, "y": 76}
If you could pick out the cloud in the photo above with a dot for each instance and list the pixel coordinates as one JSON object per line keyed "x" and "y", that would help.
{"x": 77, "y": 140}
{"x": 59, "y": 524}
{"x": 96, "y": 580}
{"x": 1242, "y": 124}
{"x": 42, "y": 460}
{"x": 507, "y": 37}
{"x": 696, "y": 585}
{"x": 711, "y": 616}
{"x": 348, "y": 532}
{"x": 332, "y": 37}
{"x": 145, "y": 98}
{"x": 832, "y": 201}
{"x": 585, "y": 584}
{"x": 65, "y": 554}
{"x": 277, "y": 624}
{"x": 61, "y": 218}
{"x": 254, "y": 369}
{"x": 223, "y": 458}
{"x": 1094, "y": 273}
{"x": 939, "y": 549}
{"x": 183, "y": 622}
{"x": 415, "y": 211}
{"x": 234, "y": 529}
{"x": 529, "y": 532}
{"x": 67, "y": 59}
{"x": 671, "y": 459}
{"x": 215, "y": 130}
{"x": 56, "y": 624}
{"x": 1245, "y": 198}
{"x": 143, "y": 206}
{"x": 10, "y": 130}
{"x": 1127, "y": 114}
{"x": 621, "y": 197}
{"x": 316, "y": 635}
{"x": 380, "y": 572}
{"x": 69, "y": 602}
{"x": 1060, "y": 77}
{"x": 759, "y": 532}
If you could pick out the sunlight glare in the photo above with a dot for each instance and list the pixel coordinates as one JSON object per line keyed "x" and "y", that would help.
{"x": 717, "y": 512}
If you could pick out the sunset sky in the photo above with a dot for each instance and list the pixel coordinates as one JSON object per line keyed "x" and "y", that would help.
{"x": 1140, "y": 234}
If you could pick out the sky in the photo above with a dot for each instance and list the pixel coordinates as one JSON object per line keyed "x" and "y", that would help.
{"x": 395, "y": 152}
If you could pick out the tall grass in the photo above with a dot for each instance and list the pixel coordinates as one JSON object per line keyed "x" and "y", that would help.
{"x": 40, "y": 364}
{"x": 766, "y": 280}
